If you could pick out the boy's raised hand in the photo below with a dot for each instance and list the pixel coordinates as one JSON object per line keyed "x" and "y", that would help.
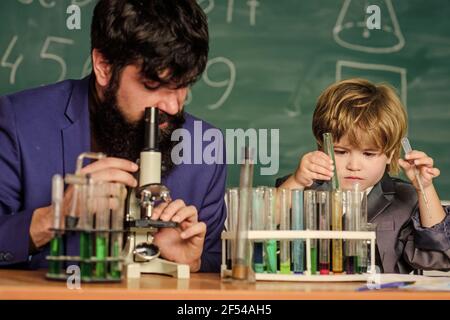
{"x": 424, "y": 166}
{"x": 315, "y": 165}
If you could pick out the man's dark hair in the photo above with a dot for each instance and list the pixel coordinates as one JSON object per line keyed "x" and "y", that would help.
{"x": 158, "y": 35}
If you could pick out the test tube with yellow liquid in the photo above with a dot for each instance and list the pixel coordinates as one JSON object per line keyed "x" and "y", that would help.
{"x": 336, "y": 206}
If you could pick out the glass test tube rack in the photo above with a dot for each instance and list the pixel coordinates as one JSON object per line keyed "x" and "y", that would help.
{"x": 307, "y": 235}
{"x": 92, "y": 268}
{"x": 95, "y": 221}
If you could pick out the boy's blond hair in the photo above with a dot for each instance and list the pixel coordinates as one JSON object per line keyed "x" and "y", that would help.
{"x": 371, "y": 114}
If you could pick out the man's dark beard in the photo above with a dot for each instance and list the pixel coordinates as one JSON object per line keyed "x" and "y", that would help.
{"x": 117, "y": 137}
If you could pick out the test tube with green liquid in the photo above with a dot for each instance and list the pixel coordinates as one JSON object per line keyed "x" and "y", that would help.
{"x": 56, "y": 244}
{"x": 336, "y": 225}
{"x": 310, "y": 209}
{"x": 270, "y": 204}
{"x": 102, "y": 218}
{"x": 285, "y": 225}
{"x": 84, "y": 196}
{"x": 258, "y": 224}
{"x": 298, "y": 246}
{"x": 323, "y": 208}
{"x": 117, "y": 217}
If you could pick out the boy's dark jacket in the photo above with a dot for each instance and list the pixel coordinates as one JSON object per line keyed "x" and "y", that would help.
{"x": 402, "y": 244}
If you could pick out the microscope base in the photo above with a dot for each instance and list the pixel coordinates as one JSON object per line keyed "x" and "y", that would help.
{"x": 158, "y": 266}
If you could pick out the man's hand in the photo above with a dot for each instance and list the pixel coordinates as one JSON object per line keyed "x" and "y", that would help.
{"x": 106, "y": 169}
{"x": 42, "y": 220}
{"x": 183, "y": 244}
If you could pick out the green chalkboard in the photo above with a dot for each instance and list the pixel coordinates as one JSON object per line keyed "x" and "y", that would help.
{"x": 269, "y": 61}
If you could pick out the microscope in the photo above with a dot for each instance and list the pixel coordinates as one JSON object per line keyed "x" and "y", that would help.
{"x": 140, "y": 254}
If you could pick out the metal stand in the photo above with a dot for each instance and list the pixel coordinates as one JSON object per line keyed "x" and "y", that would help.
{"x": 135, "y": 266}
{"x": 140, "y": 254}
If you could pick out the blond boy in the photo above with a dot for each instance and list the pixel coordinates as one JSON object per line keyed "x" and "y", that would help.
{"x": 367, "y": 122}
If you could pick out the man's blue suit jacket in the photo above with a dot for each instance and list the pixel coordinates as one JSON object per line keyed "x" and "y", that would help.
{"x": 42, "y": 131}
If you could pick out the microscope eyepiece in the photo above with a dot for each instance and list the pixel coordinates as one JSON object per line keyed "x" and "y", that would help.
{"x": 151, "y": 129}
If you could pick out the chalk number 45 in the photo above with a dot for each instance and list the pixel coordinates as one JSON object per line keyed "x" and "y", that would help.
{"x": 44, "y": 54}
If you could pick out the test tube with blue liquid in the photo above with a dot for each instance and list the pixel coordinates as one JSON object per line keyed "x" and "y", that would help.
{"x": 298, "y": 246}
{"x": 257, "y": 222}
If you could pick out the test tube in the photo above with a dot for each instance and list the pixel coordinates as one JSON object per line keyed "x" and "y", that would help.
{"x": 362, "y": 248}
{"x": 285, "y": 256}
{"x": 84, "y": 195}
{"x": 242, "y": 263}
{"x": 56, "y": 244}
{"x": 407, "y": 149}
{"x": 73, "y": 216}
{"x": 310, "y": 209}
{"x": 117, "y": 217}
{"x": 298, "y": 246}
{"x": 352, "y": 207}
{"x": 102, "y": 219}
{"x": 270, "y": 204}
{"x": 336, "y": 225}
{"x": 258, "y": 224}
{"x": 323, "y": 204}
{"x": 232, "y": 214}
{"x": 366, "y": 252}
{"x": 329, "y": 150}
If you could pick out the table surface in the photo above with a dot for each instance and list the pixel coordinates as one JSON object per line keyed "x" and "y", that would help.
{"x": 15, "y": 284}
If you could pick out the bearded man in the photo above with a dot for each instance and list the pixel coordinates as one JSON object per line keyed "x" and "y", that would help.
{"x": 144, "y": 53}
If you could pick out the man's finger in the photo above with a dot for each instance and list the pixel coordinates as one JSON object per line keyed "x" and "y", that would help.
{"x": 114, "y": 175}
{"x": 198, "y": 229}
{"x": 172, "y": 209}
{"x": 158, "y": 210}
{"x": 110, "y": 162}
{"x": 188, "y": 213}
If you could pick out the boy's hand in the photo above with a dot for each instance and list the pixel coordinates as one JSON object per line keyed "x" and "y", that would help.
{"x": 424, "y": 166}
{"x": 315, "y": 165}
